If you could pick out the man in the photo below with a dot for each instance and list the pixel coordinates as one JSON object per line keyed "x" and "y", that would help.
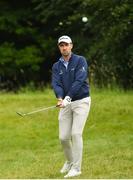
{"x": 69, "y": 81}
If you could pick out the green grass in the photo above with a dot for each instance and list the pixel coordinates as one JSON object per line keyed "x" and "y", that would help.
{"x": 29, "y": 147}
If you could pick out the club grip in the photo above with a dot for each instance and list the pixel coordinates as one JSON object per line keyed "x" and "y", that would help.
{"x": 57, "y": 105}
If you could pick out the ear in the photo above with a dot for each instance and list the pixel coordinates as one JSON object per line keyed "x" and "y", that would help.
{"x": 71, "y": 45}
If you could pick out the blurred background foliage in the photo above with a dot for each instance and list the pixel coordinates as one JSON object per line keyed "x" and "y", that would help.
{"x": 28, "y": 40}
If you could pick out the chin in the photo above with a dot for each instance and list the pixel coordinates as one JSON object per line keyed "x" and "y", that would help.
{"x": 65, "y": 54}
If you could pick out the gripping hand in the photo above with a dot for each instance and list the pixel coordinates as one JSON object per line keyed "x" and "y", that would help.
{"x": 66, "y": 101}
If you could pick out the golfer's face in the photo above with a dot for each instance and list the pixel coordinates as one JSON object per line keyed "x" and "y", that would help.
{"x": 65, "y": 48}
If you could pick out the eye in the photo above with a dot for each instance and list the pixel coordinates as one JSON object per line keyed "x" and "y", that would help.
{"x": 61, "y": 45}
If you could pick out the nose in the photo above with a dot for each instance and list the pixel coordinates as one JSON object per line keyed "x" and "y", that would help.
{"x": 64, "y": 47}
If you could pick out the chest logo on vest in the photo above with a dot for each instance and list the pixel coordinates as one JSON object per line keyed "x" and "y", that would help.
{"x": 61, "y": 72}
{"x": 72, "y": 69}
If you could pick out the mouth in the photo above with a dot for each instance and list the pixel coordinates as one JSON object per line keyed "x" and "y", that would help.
{"x": 65, "y": 53}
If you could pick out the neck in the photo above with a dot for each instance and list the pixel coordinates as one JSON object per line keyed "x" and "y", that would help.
{"x": 66, "y": 58}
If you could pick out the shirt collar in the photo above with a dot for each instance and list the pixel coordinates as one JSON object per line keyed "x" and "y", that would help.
{"x": 62, "y": 60}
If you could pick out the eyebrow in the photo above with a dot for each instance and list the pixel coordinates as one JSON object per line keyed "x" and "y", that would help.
{"x": 63, "y": 44}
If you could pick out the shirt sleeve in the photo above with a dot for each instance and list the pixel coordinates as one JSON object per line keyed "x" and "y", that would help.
{"x": 56, "y": 83}
{"x": 81, "y": 75}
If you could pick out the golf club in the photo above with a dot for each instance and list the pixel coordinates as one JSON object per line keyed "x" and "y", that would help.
{"x": 38, "y": 110}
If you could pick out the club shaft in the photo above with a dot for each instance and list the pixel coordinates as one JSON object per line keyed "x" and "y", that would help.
{"x": 39, "y": 110}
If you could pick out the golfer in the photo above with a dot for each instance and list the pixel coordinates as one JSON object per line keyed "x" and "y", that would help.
{"x": 69, "y": 81}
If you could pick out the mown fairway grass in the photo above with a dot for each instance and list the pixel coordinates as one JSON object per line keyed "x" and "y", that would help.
{"x": 29, "y": 147}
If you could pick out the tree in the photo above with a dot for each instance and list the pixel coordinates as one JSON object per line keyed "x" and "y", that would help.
{"x": 20, "y": 53}
{"x": 111, "y": 42}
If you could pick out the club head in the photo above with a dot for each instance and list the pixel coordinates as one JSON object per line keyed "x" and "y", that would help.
{"x": 20, "y": 114}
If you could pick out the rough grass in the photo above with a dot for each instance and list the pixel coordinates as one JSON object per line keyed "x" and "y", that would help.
{"x": 29, "y": 146}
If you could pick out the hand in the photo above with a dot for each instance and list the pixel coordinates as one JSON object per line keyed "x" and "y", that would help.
{"x": 66, "y": 101}
{"x": 59, "y": 103}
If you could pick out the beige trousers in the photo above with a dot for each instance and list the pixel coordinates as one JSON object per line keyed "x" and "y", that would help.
{"x": 72, "y": 120}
